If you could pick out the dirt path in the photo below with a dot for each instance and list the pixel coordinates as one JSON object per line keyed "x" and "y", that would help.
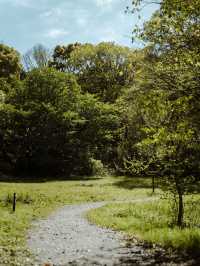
{"x": 67, "y": 238}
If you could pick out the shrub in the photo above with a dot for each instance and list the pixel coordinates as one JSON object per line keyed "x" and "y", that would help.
{"x": 97, "y": 167}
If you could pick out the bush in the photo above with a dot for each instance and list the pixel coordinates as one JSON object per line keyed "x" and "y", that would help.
{"x": 97, "y": 167}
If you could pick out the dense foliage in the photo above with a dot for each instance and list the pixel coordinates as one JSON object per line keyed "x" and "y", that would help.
{"x": 48, "y": 126}
{"x": 105, "y": 69}
{"x": 167, "y": 92}
{"x": 90, "y": 106}
{"x": 9, "y": 62}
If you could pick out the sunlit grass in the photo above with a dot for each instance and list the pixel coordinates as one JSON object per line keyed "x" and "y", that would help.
{"x": 35, "y": 200}
{"x": 152, "y": 221}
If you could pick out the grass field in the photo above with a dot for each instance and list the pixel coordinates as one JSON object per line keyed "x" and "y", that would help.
{"x": 35, "y": 200}
{"x": 147, "y": 220}
{"x": 151, "y": 221}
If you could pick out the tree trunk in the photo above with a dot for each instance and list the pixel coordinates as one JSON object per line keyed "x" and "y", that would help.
{"x": 180, "y": 209}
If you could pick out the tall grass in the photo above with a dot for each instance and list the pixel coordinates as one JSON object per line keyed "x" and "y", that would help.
{"x": 152, "y": 221}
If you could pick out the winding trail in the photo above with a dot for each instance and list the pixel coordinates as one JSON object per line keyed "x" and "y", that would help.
{"x": 67, "y": 238}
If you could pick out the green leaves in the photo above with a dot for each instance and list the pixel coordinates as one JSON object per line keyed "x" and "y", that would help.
{"x": 103, "y": 69}
{"x": 10, "y": 66}
{"x": 161, "y": 112}
{"x": 48, "y": 125}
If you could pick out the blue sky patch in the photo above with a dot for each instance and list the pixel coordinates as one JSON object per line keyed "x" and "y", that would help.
{"x": 25, "y": 23}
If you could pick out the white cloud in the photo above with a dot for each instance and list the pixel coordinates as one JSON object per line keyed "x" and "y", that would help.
{"x": 56, "y": 33}
{"x": 22, "y": 3}
{"x": 109, "y": 34}
{"x": 103, "y": 3}
{"x": 46, "y": 14}
{"x": 54, "y": 12}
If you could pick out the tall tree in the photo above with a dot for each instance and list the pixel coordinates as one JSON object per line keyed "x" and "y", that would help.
{"x": 10, "y": 66}
{"x": 104, "y": 69}
{"x": 48, "y": 126}
{"x": 61, "y": 56}
{"x": 37, "y": 57}
{"x": 170, "y": 128}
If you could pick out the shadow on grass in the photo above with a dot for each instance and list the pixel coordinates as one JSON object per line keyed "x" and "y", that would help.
{"x": 134, "y": 182}
{"x": 195, "y": 188}
{"x": 42, "y": 179}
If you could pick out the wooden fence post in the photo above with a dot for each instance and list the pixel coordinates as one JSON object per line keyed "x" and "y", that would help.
{"x": 153, "y": 184}
{"x": 14, "y": 202}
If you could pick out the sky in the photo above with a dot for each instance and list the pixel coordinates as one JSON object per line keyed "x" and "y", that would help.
{"x": 24, "y": 23}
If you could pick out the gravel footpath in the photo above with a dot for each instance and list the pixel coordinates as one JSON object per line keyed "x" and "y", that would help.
{"x": 67, "y": 238}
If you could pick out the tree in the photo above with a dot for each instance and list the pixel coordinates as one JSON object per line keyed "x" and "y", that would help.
{"x": 10, "y": 65}
{"x": 97, "y": 136}
{"x": 105, "y": 69}
{"x": 37, "y": 57}
{"x": 49, "y": 126}
{"x": 12, "y": 124}
{"x": 170, "y": 147}
{"x": 61, "y": 56}
{"x": 37, "y": 122}
{"x": 49, "y": 86}
{"x": 169, "y": 96}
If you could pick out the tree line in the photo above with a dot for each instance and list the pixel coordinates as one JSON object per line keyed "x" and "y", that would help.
{"x": 60, "y": 115}
{"x": 85, "y": 106}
